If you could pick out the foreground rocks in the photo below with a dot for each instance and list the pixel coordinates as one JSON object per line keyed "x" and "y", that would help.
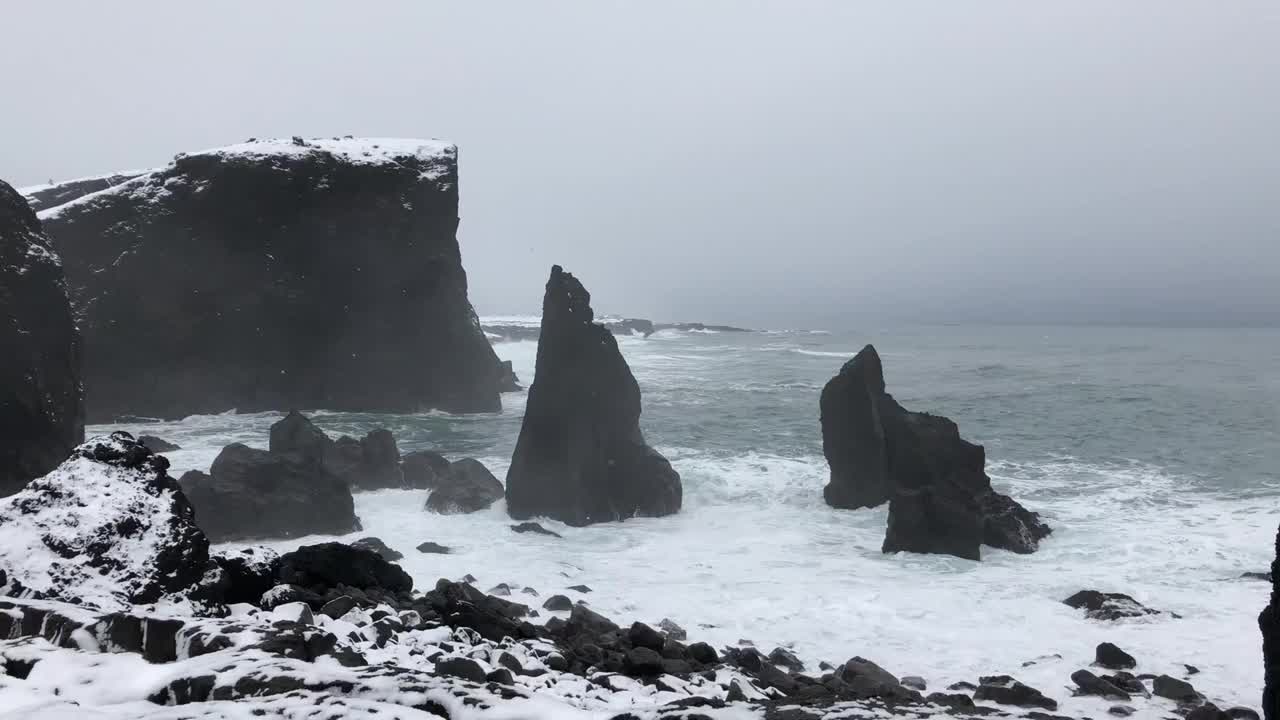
{"x": 1109, "y": 606}
{"x": 581, "y": 457}
{"x": 330, "y": 276}
{"x": 940, "y": 498}
{"x": 467, "y": 486}
{"x": 1269, "y": 624}
{"x": 41, "y": 403}
{"x": 106, "y": 529}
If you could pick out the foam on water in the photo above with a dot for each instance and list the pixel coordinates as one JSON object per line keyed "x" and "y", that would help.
{"x": 756, "y": 554}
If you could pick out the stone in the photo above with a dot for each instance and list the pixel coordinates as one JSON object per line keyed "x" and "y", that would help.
{"x": 1166, "y": 686}
{"x": 376, "y": 545}
{"x": 461, "y": 668}
{"x": 533, "y": 527}
{"x": 1107, "y": 606}
{"x": 642, "y": 635}
{"x": 915, "y": 682}
{"x": 786, "y": 658}
{"x": 469, "y": 487}
{"x": 1005, "y": 690}
{"x": 338, "y": 606}
{"x": 328, "y": 565}
{"x": 370, "y": 463}
{"x": 581, "y": 457}
{"x": 249, "y": 572}
{"x": 330, "y": 276}
{"x": 1091, "y": 684}
{"x": 703, "y": 653}
{"x": 643, "y": 661}
{"x": 433, "y": 548}
{"x": 41, "y": 399}
{"x": 1113, "y": 658}
{"x": 1269, "y": 625}
{"x": 673, "y": 631}
{"x": 157, "y": 445}
{"x": 423, "y": 469}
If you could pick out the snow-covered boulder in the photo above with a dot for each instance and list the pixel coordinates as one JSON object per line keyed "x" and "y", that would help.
{"x": 41, "y": 409}
{"x": 106, "y": 529}
{"x": 274, "y": 274}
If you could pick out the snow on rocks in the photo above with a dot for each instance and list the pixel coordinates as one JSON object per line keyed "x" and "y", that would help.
{"x": 105, "y": 529}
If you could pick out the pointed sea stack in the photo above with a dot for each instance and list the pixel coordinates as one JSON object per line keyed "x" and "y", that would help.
{"x": 271, "y": 274}
{"x": 41, "y": 407}
{"x": 940, "y": 498}
{"x": 581, "y": 457}
{"x": 1269, "y": 623}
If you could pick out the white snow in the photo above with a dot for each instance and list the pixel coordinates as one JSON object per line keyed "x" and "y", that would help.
{"x": 357, "y": 151}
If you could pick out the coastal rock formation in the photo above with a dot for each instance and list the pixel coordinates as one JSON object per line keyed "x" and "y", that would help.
{"x": 157, "y": 445}
{"x": 370, "y": 463}
{"x": 251, "y": 493}
{"x": 43, "y": 197}
{"x": 329, "y": 277}
{"x": 940, "y": 498}
{"x": 107, "y": 528}
{"x": 1269, "y": 624}
{"x": 468, "y": 486}
{"x": 423, "y": 469}
{"x": 41, "y": 404}
{"x": 581, "y": 457}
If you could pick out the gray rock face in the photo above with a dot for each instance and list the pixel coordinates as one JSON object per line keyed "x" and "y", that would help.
{"x": 329, "y": 277}
{"x": 468, "y": 487}
{"x": 581, "y": 457}
{"x": 940, "y": 498}
{"x": 48, "y": 196}
{"x": 41, "y": 400}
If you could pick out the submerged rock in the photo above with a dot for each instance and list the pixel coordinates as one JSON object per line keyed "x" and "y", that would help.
{"x": 157, "y": 445}
{"x": 252, "y": 493}
{"x": 41, "y": 400}
{"x": 535, "y": 528}
{"x": 370, "y": 463}
{"x": 376, "y": 545}
{"x": 423, "y": 469}
{"x": 327, "y": 565}
{"x": 330, "y": 276}
{"x": 940, "y": 498}
{"x": 581, "y": 457}
{"x": 468, "y": 487}
{"x": 106, "y": 528}
{"x": 1108, "y": 606}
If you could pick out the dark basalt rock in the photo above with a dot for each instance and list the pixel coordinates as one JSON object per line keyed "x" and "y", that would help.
{"x": 581, "y": 457}
{"x": 940, "y": 498}
{"x": 370, "y": 463}
{"x": 106, "y": 527}
{"x": 1091, "y": 684}
{"x": 330, "y": 564}
{"x": 1269, "y": 624}
{"x": 557, "y": 602}
{"x": 252, "y": 493}
{"x": 468, "y": 487}
{"x": 157, "y": 445}
{"x": 296, "y": 435}
{"x": 330, "y": 276}
{"x": 433, "y": 548}
{"x": 376, "y": 545}
{"x": 41, "y": 400}
{"x": 535, "y": 528}
{"x": 55, "y": 194}
{"x": 1005, "y": 690}
{"x": 1166, "y": 686}
{"x": 1113, "y": 658}
{"x": 423, "y": 469}
{"x": 1108, "y": 606}
{"x": 250, "y": 573}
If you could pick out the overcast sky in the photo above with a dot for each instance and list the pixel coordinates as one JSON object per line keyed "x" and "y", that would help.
{"x": 784, "y": 163}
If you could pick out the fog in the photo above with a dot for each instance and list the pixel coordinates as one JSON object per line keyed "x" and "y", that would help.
{"x": 780, "y": 164}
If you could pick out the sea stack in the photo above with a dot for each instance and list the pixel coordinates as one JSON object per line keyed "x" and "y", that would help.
{"x": 41, "y": 407}
{"x": 940, "y": 498}
{"x": 274, "y": 274}
{"x": 581, "y": 457}
{"x": 1269, "y": 623}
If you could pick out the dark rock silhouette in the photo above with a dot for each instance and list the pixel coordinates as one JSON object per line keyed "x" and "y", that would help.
{"x": 1108, "y": 606}
{"x": 423, "y": 469}
{"x": 940, "y": 498}
{"x": 43, "y": 197}
{"x": 106, "y": 528}
{"x": 370, "y": 463}
{"x": 41, "y": 404}
{"x": 157, "y": 445}
{"x": 468, "y": 487}
{"x": 250, "y": 572}
{"x": 252, "y": 493}
{"x": 581, "y": 457}
{"x": 1269, "y": 624}
{"x": 327, "y": 565}
{"x": 329, "y": 277}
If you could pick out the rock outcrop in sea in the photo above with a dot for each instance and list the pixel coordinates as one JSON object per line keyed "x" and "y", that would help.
{"x": 940, "y": 498}
{"x": 1269, "y": 624}
{"x": 276, "y": 274}
{"x": 41, "y": 404}
{"x": 107, "y": 528}
{"x": 581, "y": 457}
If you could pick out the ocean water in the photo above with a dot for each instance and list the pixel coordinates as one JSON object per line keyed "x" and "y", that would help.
{"x": 1154, "y": 454}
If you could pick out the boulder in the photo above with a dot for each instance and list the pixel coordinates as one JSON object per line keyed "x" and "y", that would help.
{"x": 105, "y": 529}
{"x": 1107, "y": 606}
{"x": 940, "y": 498}
{"x": 376, "y": 545}
{"x": 468, "y": 487}
{"x": 1005, "y": 690}
{"x": 423, "y": 469}
{"x": 296, "y": 435}
{"x": 251, "y": 493}
{"x": 535, "y": 528}
{"x": 250, "y": 573}
{"x": 157, "y": 445}
{"x": 1166, "y": 686}
{"x": 1113, "y": 658}
{"x": 581, "y": 457}
{"x": 327, "y": 565}
{"x": 1091, "y": 684}
{"x": 41, "y": 399}
{"x": 370, "y": 463}
{"x": 433, "y": 548}
{"x": 1269, "y": 624}
{"x": 330, "y": 276}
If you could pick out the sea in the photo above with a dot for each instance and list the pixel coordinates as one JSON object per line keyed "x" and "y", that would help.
{"x": 1153, "y": 452}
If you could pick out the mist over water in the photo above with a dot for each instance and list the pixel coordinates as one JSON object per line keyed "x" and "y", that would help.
{"x": 1152, "y": 453}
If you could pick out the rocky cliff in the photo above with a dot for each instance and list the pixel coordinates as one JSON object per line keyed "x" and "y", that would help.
{"x": 581, "y": 457}
{"x": 41, "y": 410}
{"x": 276, "y": 274}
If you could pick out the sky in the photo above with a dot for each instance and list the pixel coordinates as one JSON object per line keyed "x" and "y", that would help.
{"x": 792, "y": 163}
